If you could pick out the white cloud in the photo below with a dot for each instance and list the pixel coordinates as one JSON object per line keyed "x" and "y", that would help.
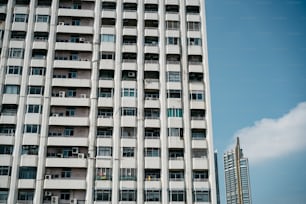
{"x": 272, "y": 138}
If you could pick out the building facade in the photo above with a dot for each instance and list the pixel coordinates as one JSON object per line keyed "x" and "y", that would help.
{"x": 237, "y": 179}
{"x": 105, "y": 101}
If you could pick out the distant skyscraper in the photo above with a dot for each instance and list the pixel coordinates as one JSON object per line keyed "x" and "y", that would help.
{"x": 237, "y": 180}
{"x": 105, "y": 101}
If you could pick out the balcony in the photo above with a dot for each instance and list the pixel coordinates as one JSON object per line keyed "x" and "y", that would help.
{"x": 107, "y": 63}
{"x": 176, "y": 163}
{"x": 5, "y": 182}
{"x": 66, "y": 28}
{"x": 41, "y": 27}
{"x": 198, "y": 123}
{"x": 76, "y": 12}
{"x": 197, "y": 104}
{"x": 66, "y": 162}
{"x": 71, "y": 82}
{"x": 3, "y": 8}
{"x": 19, "y": 26}
{"x": 152, "y": 162}
{"x": 84, "y": 46}
{"x": 7, "y": 139}
{"x": 108, "y": 14}
{"x": 175, "y": 142}
{"x": 71, "y": 141}
{"x": 10, "y": 99}
{"x": 200, "y": 163}
{"x": 72, "y": 101}
{"x": 199, "y": 143}
{"x": 68, "y": 121}
{"x": 105, "y": 121}
{"x": 42, "y": 45}
{"x": 6, "y": 159}
{"x": 8, "y": 118}
{"x": 26, "y": 183}
{"x": 28, "y": 160}
{"x": 68, "y": 184}
{"x": 75, "y": 64}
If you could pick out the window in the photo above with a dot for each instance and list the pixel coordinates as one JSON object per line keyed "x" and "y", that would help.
{"x": 105, "y": 92}
{"x": 34, "y": 108}
{"x": 31, "y": 128}
{"x": 173, "y": 76}
{"x": 108, "y": 5}
{"x": 175, "y": 132}
{"x": 199, "y": 153}
{"x": 172, "y": 40}
{"x": 151, "y": 23}
{"x": 37, "y": 71}
{"x": 198, "y": 134}
{"x": 17, "y": 70}
{"x": 66, "y": 173}
{"x": 71, "y": 92}
{"x": 197, "y": 95}
{"x": 105, "y": 112}
{"x": 68, "y": 131}
{"x": 128, "y": 174}
{"x": 107, "y": 55}
{"x": 104, "y": 151}
{"x": 3, "y": 195}
{"x": 192, "y": 9}
{"x": 152, "y": 195}
{"x": 176, "y": 175}
{"x": 127, "y": 195}
{"x": 20, "y": 18}
{"x": 65, "y": 195}
{"x": 151, "y": 113}
{"x": 151, "y": 152}
{"x": 129, "y": 6}
{"x": 25, "y": 194}
{"x": 72, "y": 74}
{"x": 174, "y": 93}
{"x": 7, "y": 129}
{"x": 128, "y": 92}
{"x": 37, "y": 90}
{"x": 103, "y": 195}
{"x": 76, "y": 21}
{"x": 26, "y": 172}
{"x": 128, "y": 132}
{"x": 108, "y": 38}
{"x": 172, "y": 8}
{"x": 6, "y": 149}
{"x": 70, "y": 112}
{"x": 16, "y": 53}
{"x": 18, "y": 35}
{"x": 152, "y": 133}
{"x": 176, "y": 154}
{"x": 42, "y": 18}
{"x": 128, "y": 111}
{"x": 29, "y": 149}
{"x": 172, "y": 25}
{"x": 194, "y": 41}
{"x": 201, "y": 196}
{"x": 174, "y": 112}
{"x": 200, "y": 175}
{"x": 151, "y": 7}
{"x": 5, "y": 171}
{"x": 103, "y": 174}
{"x": 11, "y": 89}
{"x": 193, "y": 26}
{"x": 128, "y": 151}
{"x": 105, "y": 132}
{"x": 152, "y": 174}
{"x": 176, "y": 195}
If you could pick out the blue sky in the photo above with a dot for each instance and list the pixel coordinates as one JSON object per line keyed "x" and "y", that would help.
{"x": 257, "y": 61}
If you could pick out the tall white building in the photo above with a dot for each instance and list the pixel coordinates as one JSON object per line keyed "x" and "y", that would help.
{"x": 237, "y": 178}
{"x": 105, "y": 101}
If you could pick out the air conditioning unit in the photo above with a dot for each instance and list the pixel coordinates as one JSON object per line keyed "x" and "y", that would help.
{"x": 61, "y": 23}
{"x": 48, "y": 193}
{"x": 74, "y": 201}
{"x": 131, "y": 74}
{"x": 54, "y": 200}
{"x": 81, "y": 155}
{"x": 82, "y": 39}
{"x": 48, "y": 176}
{"x": 83, "y": 95}
{"x": 75, "y": 150}
{"x": 61, "y": 93}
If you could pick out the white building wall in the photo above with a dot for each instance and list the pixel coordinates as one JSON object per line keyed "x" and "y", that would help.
{"x": 63, "y": 117}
